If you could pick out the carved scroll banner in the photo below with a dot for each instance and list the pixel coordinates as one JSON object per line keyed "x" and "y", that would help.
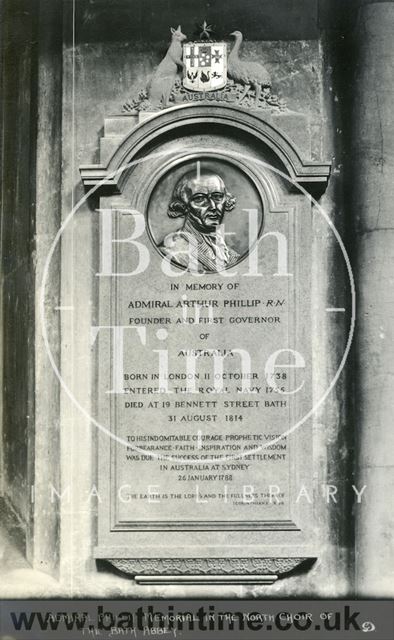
{"x": 204, "y": 346}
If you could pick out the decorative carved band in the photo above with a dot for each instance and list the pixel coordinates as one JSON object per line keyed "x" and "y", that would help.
{"x": 110, "y": 177}
{"x": 206, "y": 566}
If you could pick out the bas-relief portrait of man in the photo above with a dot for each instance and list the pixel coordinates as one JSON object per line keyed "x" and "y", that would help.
{"x": 208, "y": 204}
{"x": 202, "y": 200}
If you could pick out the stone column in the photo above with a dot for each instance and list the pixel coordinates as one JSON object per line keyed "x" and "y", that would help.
{"x": 372, "y": 164}
{"x": 43, "y": 541}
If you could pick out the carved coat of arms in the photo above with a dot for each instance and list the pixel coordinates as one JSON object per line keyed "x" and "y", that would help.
{"x": 205, "y": 66}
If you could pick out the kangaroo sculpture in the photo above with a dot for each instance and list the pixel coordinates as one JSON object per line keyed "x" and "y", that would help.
{"x": 163, "y": 80}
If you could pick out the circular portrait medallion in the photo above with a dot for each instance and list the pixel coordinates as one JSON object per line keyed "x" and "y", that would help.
{"x": 198, "y": 214}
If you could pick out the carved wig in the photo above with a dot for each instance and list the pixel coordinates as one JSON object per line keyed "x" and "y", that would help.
{"x": 179, "y": 204}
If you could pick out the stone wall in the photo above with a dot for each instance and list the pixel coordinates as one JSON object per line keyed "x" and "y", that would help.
{"x": 19, "y": 88}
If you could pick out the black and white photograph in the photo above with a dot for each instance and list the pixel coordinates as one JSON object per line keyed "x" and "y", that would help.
{"x": 196, "y": 319}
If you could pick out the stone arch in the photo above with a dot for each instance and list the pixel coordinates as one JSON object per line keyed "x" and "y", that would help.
{"x": 311, "y": 174}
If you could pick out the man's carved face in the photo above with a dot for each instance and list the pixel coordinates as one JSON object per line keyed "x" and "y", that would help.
{"x": 205, "y": 197}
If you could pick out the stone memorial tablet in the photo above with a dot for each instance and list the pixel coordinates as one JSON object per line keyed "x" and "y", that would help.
{"x": 203, "y": 342}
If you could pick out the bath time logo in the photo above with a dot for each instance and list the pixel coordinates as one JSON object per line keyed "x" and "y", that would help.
{"x": 213, "y": 205}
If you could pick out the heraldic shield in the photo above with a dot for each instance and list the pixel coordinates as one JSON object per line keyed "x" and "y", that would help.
{"x": 205, "y": 66}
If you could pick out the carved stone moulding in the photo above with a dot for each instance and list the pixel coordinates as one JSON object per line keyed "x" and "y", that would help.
{"x": 110, "y": 176}
{"x": 207, "y": 570}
